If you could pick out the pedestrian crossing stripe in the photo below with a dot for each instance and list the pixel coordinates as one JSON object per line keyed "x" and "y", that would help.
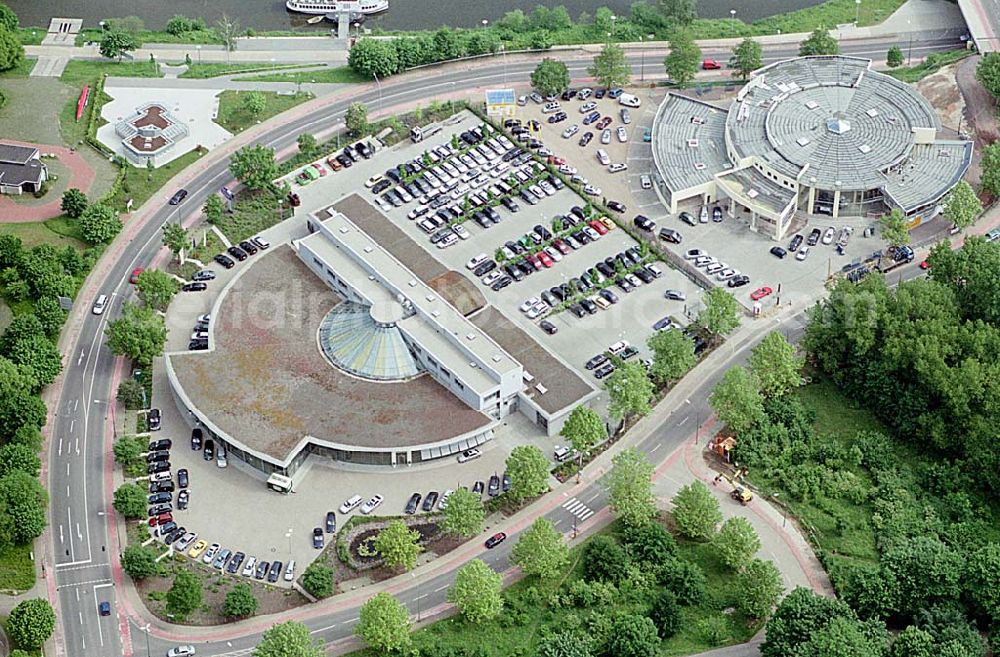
{"x": 578, "y": 509}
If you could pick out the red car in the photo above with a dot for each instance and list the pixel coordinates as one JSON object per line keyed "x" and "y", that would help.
{"x": 561, "y": 245}
{"x": 924, "y": 264}
{"x": 760, "y": 293}
{"x": 710, "y": 65}
{"x": 603, "y": 123}
{"x": 320, "y": 169}
{"x": 534, "y": 261}
{"x": 334, "y": 164}
{"x": 134, "y": 276}
{"x": 544, "y": 257}
{"x": 556, "y": 160}
{"x": 495, "y": 540}
{"x": 599, "y": 227}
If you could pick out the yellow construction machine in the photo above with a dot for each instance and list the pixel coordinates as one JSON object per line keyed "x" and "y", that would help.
{"x": 740, "y": 493}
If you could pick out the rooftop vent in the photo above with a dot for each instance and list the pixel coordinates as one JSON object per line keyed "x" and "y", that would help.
{"x": 430, "y": 297}
{"x": 368, "y": 249}
{"x": 435, "y": 313}
{"x": 872, "y": 112}
{"x": 697, "y": 119}
{"x": 344, "y": 230}
{"x": 472, "y": 364}
{"x": 692, "y": 143}
{"x": 838, "y": 125}
{"x": 753, "y": 193}
{"x": 802, "y": 141}
{"x": 470, "y": 336}
{"x": 527, "y": 376}
{"x": 541, "y": 389}
{"x": 411, "y": 283}
{"x": 698, "y": 166}
{"x": 811, "y": 104}
{"x": 865, "y": 148}
{"x": 496, "y": 358}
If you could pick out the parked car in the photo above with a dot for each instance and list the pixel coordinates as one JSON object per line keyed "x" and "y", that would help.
{"x": 153, "y": 419}
{"x": 178, "y": 196}
{"x": 760, "y": 293}
{"x": 371, "y": 504}
{"x": 317, "y": 538}
{"x": 778, "y": 252}
{"x": 710, "y": 64}
{"x": 469, "y": 455}
{"x": 412, "y": 504}
{"x": 495, "y": 540}
{"x": 331, "y": 522}
{"x": 183, "y": 500}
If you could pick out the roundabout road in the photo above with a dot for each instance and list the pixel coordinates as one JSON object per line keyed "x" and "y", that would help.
{"x": 80, "y": 558}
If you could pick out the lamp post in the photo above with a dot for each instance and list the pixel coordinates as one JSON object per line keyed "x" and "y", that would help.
{"x": 485, "y": 23}
{"x": 503, "y": 52}
{"x": 288, "y": 535}
{"x": 272, "y": 63}
{"x": 379, "y": 85}
{"x": 857, "y": 12}
{"x": 146, "y": 630}
{"x": 613, "y": 20}
{"x": 732, "y": 24}
{"x": 909, "y": 48}
{"x": 642, "y": 62}
{"x": 199, "y": 54}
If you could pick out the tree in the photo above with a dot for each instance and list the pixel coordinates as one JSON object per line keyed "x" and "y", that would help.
{"x": 374, "y": 57}
{"x": 988, "y": 73}
{"x": 630, "y": 488}
{"x": 356, "y": 119}
{"x": 25, "y": 500}
{"x": 696, "y": 511}
{"x": 175, "y": 237}
{"x": 476, "y": 592}
{"x": 721, "y": 314}
{"x": 240, "y": 602}
{"x": 99, "y": 224}
{"x": 604, "y": 560}
{"x": 650, "y": 544}
{"x": 399, "y": 546}
{"x": 584, "y": 429}
{"x": 384, "y": 623}
{"x": 893, "y": 228}
{"x": 924, "y": 571}
{"x": 11, "y": 50}
{"x": 130, "y": 501}
{"x": 982, "y": 575}
{"x": 682, "y": 62}
{"x": 8, "y": 19}
{"x": 550, "y": 77}
{"x": 736, "y": 542}
{"x": 633, "y": 636}
{"x": 307, "y": 143}
{"x": 254, "y": 166}
{"x": 747, "y": 57}
{"x": 529, "y": 472}
{"x": 19, "y": 458}
{"x": 845, "y": 637}
{"x": 800, "y": 614}
{"x": 682, "y": 12}
{"x": 464, "y": 514}
{"x": 20, "y": 407}
{"x": 115, "y": 43}
{"x": 139, "y": 562}
{"x": 254, "y": 103}
{"x": 139, "y": 334}
{"x": 31, "y": 623}
{"x": 540, "y": 550}
{"x": 74, "y": 202}
{"x": 629, "y": 390}
{"x": 317, "y": 580}
{"x": 737, "y": 401}
{"x": 666, "y": 614}
{"x": 130, "y": 394}
{"x": 228, "y": 32}
{"x": 50, "y": 315}
{"x": 673, "y": 355}
{"x": 962, "y": 205}
{"x": 184, "y": 595}
{"x": 129, "y": 24}
{"x": 156, "y": 288}
{"x": 819, "y": 43}
{"x": 894, "y": 58}
{"x": 913, "y": 642}
{"x": 35, "y": 355}
{"x": 610, "y": 67}
{"x": 990, "y": 165}
{"x": 565, "y": 644}
{"x": 774, "y": 365}
{"x": 291, "y": 639}
{"x": 215, "y": 208}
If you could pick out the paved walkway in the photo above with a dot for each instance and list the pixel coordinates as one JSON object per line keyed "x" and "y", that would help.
{"x": 81, "y": 177}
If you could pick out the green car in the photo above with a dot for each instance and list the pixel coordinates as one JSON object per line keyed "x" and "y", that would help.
{"x": 308, "y": 175}
{"x": 647, "y": 135}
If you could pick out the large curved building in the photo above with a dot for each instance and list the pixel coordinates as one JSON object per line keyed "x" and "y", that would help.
{"x": 814, "y": 136}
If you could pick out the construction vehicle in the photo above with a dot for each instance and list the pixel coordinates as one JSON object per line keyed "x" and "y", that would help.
{"x": 740, "y": 492}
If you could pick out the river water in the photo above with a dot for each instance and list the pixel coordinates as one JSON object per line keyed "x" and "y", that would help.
{"x": 403, "y": 14}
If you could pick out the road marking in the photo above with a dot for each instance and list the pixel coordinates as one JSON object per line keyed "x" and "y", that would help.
{"x": 318, "y": 630}
{"x": 69, "y": 521}
{"x": 686, "y": 418}
{"x": 76, "y": 405}
{"x": 101, "y": 582}
{"x": 578, "y": 509}
{"x": 420, "y": 597}
{"x": 77, "y": 446}
{"x": 558, "y": 522}
{"x": 67, "y": 487}
{"x": 67, "y": 471}
{"x": 63, "y": 565}
{"x": 100, "y": 630}
{"x": 354, "y": 619}
{"x": 656, "y": 447}
{"x": 79, "y": 535}
{"x": 80, "y": 614}
{"x": 61, "y": 539}
{"x": 594, "y": 496}
{"x": 60, "y": 447}
{"x": 78, "y": 595}
{"x": 72, "y": 424}
{"x": 442, "y": 588}
{"x": 80, "y": 359}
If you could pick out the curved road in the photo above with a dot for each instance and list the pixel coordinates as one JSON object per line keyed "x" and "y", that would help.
{"x": 79, "y": 476}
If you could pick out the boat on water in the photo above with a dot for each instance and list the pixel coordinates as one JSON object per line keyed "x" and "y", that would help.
{"x": 355, "y": 18}
{"x": 323, "y": 7}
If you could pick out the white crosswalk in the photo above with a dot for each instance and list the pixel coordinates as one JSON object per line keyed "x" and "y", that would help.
{"x": 578, "y": 509}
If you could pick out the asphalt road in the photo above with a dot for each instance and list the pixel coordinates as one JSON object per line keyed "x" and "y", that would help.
{"x": 83, "y": 571}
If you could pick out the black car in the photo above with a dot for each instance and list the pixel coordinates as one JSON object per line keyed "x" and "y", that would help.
{"x": 485, "y": 268}
{"x": 153, "y": 457}
{"x": 643, "y": 222}
{"x": 204, "y": 275}
{"x": 183, "y": 498}
{"x": 778, "y": 252}
{"x": 224, "y": 260}
{"x": 153, "y": 419}
{"x": 262, "y": 568}
{"x": 158, "y": 466}
{"x": 161, "y": 487}
{"x": 430, "y": 501}
{"x": 247, "y": 246}
{"x": 596, "y": 361}
{"x": 548, "y": 327}
{"x": 585, "y": 139}
{"x": 671, "y": 235}
{"x": 514, "y": 272}
{"x": 495, "y": 540}
{"x": 478, "y": 488}
{"x": 510, "y": 204}
{"x": 345, "y": 162}
{"x": 157, "y": 509}
{"x": 194, "y": 287}
{"x": 174, "y": 535}
{"x": 814, "y": 237}
{"x": 318, "y": 538}
{"x": 494, "y": 487}
{"x": 413, "y": 503}
{"x": 178, "y": 196}
{"x": 501, "y": 283}
{"x": 169, "y": 528}
{"x": 609, "y": 296}
{"x": 795, "y": 243}
{"x": 235, "y": 562}
{"x": 196, "y": 438}
{"x": 331, "y": 522}
{"x": 717, "y": 214}
{"x": 589, "y": 306}
{"x": 182, "y": 478}
{"x": 349, "y": 153}
{"x": 274, "y": 572}
{"x": 506, "y": 482}
{"x": 208, "y": 453}
{"x": 738, "y": 281}
{"x": 687, "y": 218}
{"x": 568, "y": 94}
{"x": 237, "y": 253}
{"x": 381, "y": 186}
{"x": 616, "y": 206}
{"x": 163, "y": 443}
{"x": 160, "y": 498}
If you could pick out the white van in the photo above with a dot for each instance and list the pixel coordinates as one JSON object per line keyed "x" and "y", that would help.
{"x": 628, "y": 100}
{"x": 563, "y": 454}
{"x": 290, "y": 570}
{"x": 602, "y": 157}
{"x": 100, "y": 304}
{"x": 351, "y": 504}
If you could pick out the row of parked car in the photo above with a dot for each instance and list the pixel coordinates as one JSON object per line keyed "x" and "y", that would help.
{"x": 713, "y": 267}
{"x": 221, "y": 558}
{"x": 816, "y": 236}
{"x": 161, "y": 483}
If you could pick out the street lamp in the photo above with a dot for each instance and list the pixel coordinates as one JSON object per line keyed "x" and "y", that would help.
{"x": 732, "y": 18}
{"x": 642, "y": 61}
{"x": 272, "y": 63}
{"x": 909, "y": 49}
{"x": 199, "y": 54}
{"x": 857, "y": 12}
{"x": 379, "y": 85}
{"x": 146, "y": 630}
{"x": 288, "y": 535}
{"x": 613, "y": 19}
{"x": 485, "y": 23}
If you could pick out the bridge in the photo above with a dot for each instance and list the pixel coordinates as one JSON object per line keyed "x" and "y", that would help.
{"x": 983, "y": 19}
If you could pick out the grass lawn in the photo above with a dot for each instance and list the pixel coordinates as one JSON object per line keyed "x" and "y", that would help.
{"x": 235, "y": 119}
{"x": 254, "y": 211}
{"x": 932, "y": 64}
{"x": 86, "y": 71}
{"x": 58, "y": 231}
{"x": 337, "y": 75}
{"x": 152, "y": 36}
{"x": 17, "y": 572}
{"x": 31, "y": 36}
{"x": 213, "y": 70}
{"x": 139, "y": 188}
{"x": 21, "y": 70}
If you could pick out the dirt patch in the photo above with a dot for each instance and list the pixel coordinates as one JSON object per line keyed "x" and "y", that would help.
{"x": 941, "y": 89}
{"x": 459, "y": 291}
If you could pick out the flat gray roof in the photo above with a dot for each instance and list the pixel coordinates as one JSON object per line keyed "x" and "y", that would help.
{"x": 760, "y": 188}
{"x": 689, "y": 145}
{"x": 929, "y": 173}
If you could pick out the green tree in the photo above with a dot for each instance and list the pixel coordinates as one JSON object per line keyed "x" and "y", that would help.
{"x": 115, "y": 43}
{"x": 819, "y": 43}
{"x": 610, "y": 68}
{"x": 374, "y": 57}
{"x": 356, "y": 119}
{"x": 988, "y": 73}
{"x": 604, "y": 560}
{"x": 666, "y": 614}
{"x": 19, "y": 458}
{"x": 384, "y": 623}
{"x": 11, "y": 50}
{"x": 737, "y": 401}
{"x": 20, "y": 407}
{"x": 8, "y": 19}
{"x": 156, "y": 288}
{"x": 254, "y": 166}
{"x": 550, "y": 77}
{"x": 736, "y": 542}
{"x": 215, "y": 207}
{"x": 35, "y": 355}
{"x": 51, "y": 316}
{"x": 747, "y": 57}
{"x": 650, "y": 544}
{"x": 291, "y": 639}
{"x": 130, "y": 501}
{"x": 673, "y": 355}
{"x": 31, "y": 623}
{"x": 630, "y": 390}
{"x": 843, "y": 637}
{"x": 25, "y": 500}
{"x": 682, "y": 62}
{"x": 990, "y": 165}
{"x": 399, "y": 546}
{"x": 630, "y": 488}
{"x": 774, "y": 365}
{"x": 894, "y": 58}
{"x": 982, "y": 580}
{"x": 913, "y": 642}
{"x": 227, "y": 31}
{"x": 682, "y": 12}
{"x": 476, "y": 592}
{"x": 307, "y": 143}
{"x": 799, "y": 615}
{"x": 99, "y": 224}
{"x": 893, "y": 228}
{"x": 317, "y": 580}
{"x": 696, "y": 511}
{"x": 139, "y": 562}
{"x": 175, "y": 237}
{"x": 924, "y": 570}
{"x": 464, "y": 514}
{"x": 74, "y": 202}
{"x": 240, "y": 602}
{"x": 584, "y": 429}
{"x": 130, "y": 394}
{"x": 184, "y": 595}
{"x": 529, "y": 472}
{"x": 633, "y": 636}
{"x": 565, "y": 644}
{"x": 962, "y": 205}
{"x": 721, "y": 314}
{"x": 254, "y": 103}
{"x": 540, "y": 550}
{"x": 139, "y": 333}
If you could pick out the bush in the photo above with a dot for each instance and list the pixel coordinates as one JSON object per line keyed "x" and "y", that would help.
{"x": 317, "y": 580}
{"x": 604, "y": 560}
{"x": 666, "y": 614}
{"x": 685, "y": 580}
